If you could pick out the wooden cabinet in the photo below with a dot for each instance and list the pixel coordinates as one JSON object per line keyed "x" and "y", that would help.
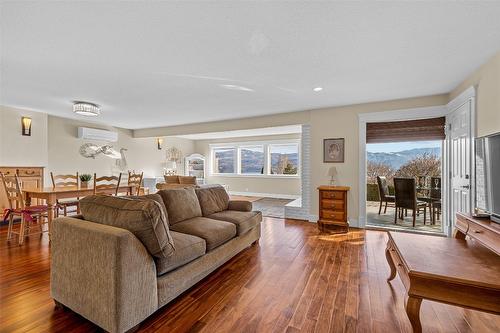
{"x": 29, "y": 177}
{"x": 333, "y": 209}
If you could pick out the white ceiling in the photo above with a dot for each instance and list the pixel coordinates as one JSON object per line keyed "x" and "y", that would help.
{"x": 166, "y": 63}
{"x": 279, "y": 130}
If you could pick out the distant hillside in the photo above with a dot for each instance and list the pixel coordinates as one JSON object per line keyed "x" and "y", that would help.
{"x": 251, "y": 161}
{"x": 397, "y": 159}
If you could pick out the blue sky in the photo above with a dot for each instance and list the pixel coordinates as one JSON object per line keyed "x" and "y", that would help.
{"x": 400, "y": 146}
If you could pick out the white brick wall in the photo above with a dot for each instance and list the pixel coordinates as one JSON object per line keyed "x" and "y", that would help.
{"x": 302, "y": 212}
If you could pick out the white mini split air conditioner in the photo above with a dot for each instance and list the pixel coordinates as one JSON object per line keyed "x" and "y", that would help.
{"x": 97, "y": 134}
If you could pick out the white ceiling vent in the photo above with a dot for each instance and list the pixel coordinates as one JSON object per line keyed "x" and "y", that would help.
{"x": 97, "y": 134}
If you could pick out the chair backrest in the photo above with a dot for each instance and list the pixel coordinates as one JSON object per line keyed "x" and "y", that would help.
{"x": 135, "y": 179}
{"x": 383, "y": 189}
{"x": 435, "y": 188}
{"x": 107, "y": 184}
{"x": 12, "y": 187}
{"x": 64, "y": 180}
{"x": 405, "y": 192}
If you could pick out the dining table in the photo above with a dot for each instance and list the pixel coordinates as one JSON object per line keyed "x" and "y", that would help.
{"x": 52, "y": 194}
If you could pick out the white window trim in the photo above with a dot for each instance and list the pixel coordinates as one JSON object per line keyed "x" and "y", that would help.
{"x": 248, "y": 144}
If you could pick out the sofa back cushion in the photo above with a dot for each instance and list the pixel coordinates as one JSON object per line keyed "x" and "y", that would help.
{"x": 171, "y": 179}
{"x": 212, "y": 199}
{"x": 181, "y": 204}
{"x": 144, "y": 216}
{"x": 191, "y": 180}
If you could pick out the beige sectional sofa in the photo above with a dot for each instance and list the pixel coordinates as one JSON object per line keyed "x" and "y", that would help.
{"x": 126, "y": 257}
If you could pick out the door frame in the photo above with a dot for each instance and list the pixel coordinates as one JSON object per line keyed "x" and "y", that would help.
{"x": 395, "y": 115}
{"x": 467, "y": 96}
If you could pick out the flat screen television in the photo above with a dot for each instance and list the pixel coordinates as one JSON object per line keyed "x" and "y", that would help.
{"x": 487, "y": 164}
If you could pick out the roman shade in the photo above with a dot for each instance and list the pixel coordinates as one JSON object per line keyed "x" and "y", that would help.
{"x": 408, "y": 130}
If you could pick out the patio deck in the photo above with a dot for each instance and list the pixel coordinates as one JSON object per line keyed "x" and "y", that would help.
{"x": 387, "y": 219}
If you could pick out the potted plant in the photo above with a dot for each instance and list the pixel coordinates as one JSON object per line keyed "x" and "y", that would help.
{"x": 84, "y": 180}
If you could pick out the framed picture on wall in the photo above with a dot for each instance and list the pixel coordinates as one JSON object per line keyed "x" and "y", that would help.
{"x": 333, "y": 150}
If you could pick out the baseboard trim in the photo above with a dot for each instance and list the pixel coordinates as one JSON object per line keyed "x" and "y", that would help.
{"x": 266, "y": 195}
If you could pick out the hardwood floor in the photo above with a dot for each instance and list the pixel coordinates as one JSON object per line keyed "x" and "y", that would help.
{"x": 295, "y": 280}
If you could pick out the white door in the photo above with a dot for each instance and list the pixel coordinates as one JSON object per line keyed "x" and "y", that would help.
{"x": 459, "y": 137}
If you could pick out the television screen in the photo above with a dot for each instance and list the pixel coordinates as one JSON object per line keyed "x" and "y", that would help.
{"x": 488, "y": 174}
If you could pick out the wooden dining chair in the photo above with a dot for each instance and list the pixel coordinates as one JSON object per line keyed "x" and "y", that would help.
{"x": 135, "y": 179}
{"x": 64, "y": 181}
{"x": 406, "y": 198}
{"x": 383, "y": 191}
{"x": 107, "y": 184}
{"x": 30, "y": 215}
{"x": 435, "y": 197}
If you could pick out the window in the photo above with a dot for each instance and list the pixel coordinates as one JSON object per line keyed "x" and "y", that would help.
{"x": 284, "y": 159}
{"x": 224, "y": 160}
{"x": 252, "y": 160}
{"x": 256, "y": 159}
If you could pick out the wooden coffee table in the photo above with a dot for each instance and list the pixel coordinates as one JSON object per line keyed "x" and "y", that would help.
{"x": 449, "y": 270}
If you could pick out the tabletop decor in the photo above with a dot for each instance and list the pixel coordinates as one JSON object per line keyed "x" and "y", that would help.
{"x": 84, "y": 180}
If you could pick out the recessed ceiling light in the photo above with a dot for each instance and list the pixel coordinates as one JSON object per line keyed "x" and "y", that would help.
{"x": 86, "y": 109}
{"x": 235, "y": 87}
{"x": 317, "y": 89}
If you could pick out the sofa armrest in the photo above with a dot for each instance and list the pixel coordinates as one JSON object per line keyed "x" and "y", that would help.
{"x": 103, "y": 273}
{"x": 241, "y": 205}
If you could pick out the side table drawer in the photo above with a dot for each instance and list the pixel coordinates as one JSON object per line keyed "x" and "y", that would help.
{"x": 336, "y": 205}
{"x": 8, "y": 172}
{"x": 332, "y": 215}
{"x": 482, "y": 235}
{"x": 332, "y": 195}
{"x": 29, "y": 172}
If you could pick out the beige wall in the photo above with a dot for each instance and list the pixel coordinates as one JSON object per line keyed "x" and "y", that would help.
{"x": 54, "y": 144}
{"x": 142, "y": 154}
{"x": 487, "y": 82}
{"x": 19, "y": 150}
{"x": 342, "y": 122}
{"x": 270, "y": 185}
{"x": 335, "y": 122}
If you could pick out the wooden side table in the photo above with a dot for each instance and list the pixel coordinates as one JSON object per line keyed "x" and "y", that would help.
{"x": 333, "y": 209}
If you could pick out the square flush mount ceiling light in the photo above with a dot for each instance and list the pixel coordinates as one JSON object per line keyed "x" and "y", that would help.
{"x": 86, "y": 109}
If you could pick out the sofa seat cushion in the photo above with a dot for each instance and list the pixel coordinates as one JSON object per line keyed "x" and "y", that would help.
{"x": 244, "y": 221}
{"x": 181, "y": 203}
{"x": 187, "y": 249}
{"x": 214, "y": 232}
{"x": 212, "y": 199}
{"x": 144, "y": 216}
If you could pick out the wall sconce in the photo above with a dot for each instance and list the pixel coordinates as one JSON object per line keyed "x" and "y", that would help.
{"x": 26, "y": 126}
{"x": 159, "y": 143}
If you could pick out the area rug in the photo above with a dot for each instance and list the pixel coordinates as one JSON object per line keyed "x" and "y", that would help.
{"x": 271, "y": 207}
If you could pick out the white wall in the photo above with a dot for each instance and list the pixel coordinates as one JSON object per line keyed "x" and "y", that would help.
{"x": 487, "y": 81}
{"x": 142, "y": 153}
{"x": 281, "y": 186}
{"x": 54, "y": 145}
{"x": 19, "y": 150}
{"x": 334, "y": 122}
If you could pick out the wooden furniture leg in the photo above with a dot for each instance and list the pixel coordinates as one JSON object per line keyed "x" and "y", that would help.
{"x": 391, "y": 264}
{"x": 11, "y": 224}
{"x": 380, "y": 207}
{"x": 51, "y": 204}
{"x": 385, "y": 209}
{"x": 457, "y": 233}
{"x": 413, "y": 312}
{"x": 22, "y": 227}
